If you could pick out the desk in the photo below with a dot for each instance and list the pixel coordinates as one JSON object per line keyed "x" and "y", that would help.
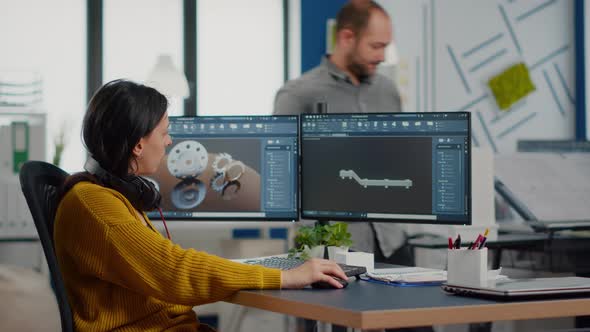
{"x": 367, "y": 305}
{"x": 564, "y": 253}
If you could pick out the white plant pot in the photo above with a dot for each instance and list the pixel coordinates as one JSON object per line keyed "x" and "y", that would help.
{"x": 317, "y": 252}
{"x": 333, "y": 250}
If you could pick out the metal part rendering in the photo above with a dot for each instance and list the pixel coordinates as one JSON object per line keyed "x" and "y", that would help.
{"x": 221, "y": 162}
{"x": 229, "y": 170}
{"x": 188, "y": 194}
{"x": 219, "y": 181}
{"x": 187, "y": 159}
{"x": 228, "y": 194}
{"x": 350, "y": 174}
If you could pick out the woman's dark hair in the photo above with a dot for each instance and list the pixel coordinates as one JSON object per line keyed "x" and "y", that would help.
{"x": 119, "y": 114}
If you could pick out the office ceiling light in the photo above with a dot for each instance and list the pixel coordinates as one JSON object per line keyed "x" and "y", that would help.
{"x": 167, "y": 79}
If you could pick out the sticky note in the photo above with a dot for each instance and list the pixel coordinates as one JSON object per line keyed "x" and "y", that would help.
{"x": 511, "y": 85}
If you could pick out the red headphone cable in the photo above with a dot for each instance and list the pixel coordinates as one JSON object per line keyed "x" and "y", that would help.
{"x": 164, "y": 221}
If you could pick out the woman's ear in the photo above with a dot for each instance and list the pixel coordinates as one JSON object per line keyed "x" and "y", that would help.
{"x": 138, "y": 149}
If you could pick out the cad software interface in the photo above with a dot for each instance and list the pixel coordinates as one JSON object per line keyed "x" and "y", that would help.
{"x": 412, "y": 167}
{"x": 230, "y": 168}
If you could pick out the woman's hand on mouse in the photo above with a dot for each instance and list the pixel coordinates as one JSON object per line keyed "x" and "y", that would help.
{"x": 313, "y": 270}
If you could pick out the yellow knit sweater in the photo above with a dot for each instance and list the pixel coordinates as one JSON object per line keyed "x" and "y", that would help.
{"x": 121, "y": 275}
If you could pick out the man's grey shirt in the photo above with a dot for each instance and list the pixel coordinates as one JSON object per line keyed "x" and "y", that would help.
{"x": 329, "y": 85}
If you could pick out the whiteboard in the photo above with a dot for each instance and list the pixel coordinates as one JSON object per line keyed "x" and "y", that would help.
{"x": 449, "y": 50}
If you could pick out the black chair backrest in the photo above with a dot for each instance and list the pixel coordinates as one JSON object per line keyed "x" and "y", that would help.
{"x": 40, "y": 182}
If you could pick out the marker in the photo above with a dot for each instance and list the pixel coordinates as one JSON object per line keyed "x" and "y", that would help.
{"x": 476, "y": 243}
{"x": 483, "y": 242}
{"x": 485, "y": 237}
{"x": 458, "y": 242}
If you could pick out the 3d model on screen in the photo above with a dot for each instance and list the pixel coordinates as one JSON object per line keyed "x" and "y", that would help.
{"x": 186, "y": 161}
{"x": 227, "y": 173}
{"x": 188, "y": 193}
{"x": 221, "y": 161}
{"x": 407, "y": 183}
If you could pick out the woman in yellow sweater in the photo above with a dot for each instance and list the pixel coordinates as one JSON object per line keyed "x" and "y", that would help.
{"x": 120, "y": 273}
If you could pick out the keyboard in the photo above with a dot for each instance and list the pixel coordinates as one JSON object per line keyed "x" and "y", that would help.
{"x": 286, "y": 263}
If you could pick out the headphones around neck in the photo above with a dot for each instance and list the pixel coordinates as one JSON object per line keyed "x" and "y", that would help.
{"x": 142, "y": 193}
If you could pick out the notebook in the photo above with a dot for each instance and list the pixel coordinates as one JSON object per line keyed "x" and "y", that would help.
{"x": 522, "y": 288}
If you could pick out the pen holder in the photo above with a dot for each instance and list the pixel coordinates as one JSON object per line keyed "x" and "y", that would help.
{"x": 467, "y": 267}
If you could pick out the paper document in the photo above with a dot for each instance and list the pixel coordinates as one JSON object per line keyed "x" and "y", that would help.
{"x": 409, "y": 275}
{"x": 420, "y": 275}
{"x": 404, "y": 270}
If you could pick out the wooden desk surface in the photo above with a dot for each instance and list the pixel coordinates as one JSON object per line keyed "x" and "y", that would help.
{"x": 368, "y": 305}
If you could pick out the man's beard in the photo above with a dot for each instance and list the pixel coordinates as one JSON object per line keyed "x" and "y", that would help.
{"x": 358, "y": 69}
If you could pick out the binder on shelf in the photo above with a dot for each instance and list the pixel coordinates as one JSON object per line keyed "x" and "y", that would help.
{"x": 20, "y": 145}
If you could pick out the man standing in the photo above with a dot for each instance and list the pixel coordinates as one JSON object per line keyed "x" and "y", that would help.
{"x": 347, "y": 82}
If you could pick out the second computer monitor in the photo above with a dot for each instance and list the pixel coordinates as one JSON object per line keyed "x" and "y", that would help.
{"x": 401, "y": 167}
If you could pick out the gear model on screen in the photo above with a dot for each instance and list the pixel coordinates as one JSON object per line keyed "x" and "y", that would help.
{"x": 227, "y": 173}
{"x": 350, "y": 174}
{"x": 186, "y": 161}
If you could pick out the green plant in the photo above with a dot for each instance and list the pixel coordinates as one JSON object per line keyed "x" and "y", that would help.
{"x": 302, "y": 252}
{"x": 338, "y": 235}
{"x": 308, "y": 237}
{"x": 311, "y": 235}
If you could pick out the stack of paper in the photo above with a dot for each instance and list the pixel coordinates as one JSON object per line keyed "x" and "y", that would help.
{"x": 409, "y": 275}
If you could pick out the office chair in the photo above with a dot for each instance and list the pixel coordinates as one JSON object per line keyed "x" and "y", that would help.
{"x": 40, "y": 182}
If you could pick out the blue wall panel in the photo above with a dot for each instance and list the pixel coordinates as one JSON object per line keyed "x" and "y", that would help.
{"x": 314, "y": 15}
{"x": 581, "y": 112}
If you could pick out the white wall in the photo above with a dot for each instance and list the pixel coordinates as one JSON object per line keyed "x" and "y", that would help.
{"x": 294, "y": 39}
{"x": 533, "y": 31}
{"x": 239, "y": 56}
{"x": 49, "y": 37}
{"x": 135, "y": 33}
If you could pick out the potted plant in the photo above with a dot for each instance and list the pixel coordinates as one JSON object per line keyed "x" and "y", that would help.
{"x": 311, "y": 240}
{"x": 338, "y": 239}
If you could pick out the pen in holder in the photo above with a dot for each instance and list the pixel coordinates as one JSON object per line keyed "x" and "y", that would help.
{"x": 467, "y": 267}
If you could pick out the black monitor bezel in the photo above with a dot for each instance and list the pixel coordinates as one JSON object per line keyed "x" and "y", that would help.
{"x": 156, "y": 216}
{"x": 389, "y": 220}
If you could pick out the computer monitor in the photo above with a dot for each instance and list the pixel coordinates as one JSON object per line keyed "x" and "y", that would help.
{"x": 398, "y": 167}
{"x": 230, "y": 168}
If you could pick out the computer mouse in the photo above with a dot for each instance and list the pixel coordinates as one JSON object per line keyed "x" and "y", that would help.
{"x": 327, "y": 285}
